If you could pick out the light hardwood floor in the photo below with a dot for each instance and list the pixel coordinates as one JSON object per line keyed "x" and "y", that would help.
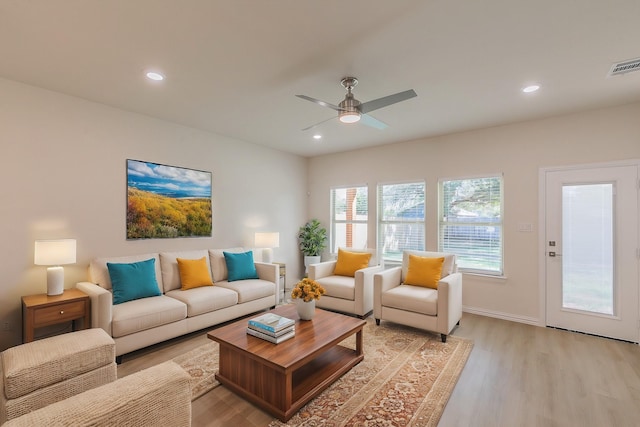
{"x": 517, "y": 375}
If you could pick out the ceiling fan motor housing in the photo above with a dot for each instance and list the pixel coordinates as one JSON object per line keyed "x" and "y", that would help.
{"x": 350, "y": 112}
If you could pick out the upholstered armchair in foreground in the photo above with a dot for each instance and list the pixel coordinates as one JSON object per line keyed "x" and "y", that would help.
{"x": 348, "y": 281}
{"x": 71, "y": 380}
{"x": 155, "y": 397}
{"x": 426, "y": 292}
{"x": 42, "y": 372}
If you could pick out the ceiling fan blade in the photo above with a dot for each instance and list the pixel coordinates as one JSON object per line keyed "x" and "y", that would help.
{"x": 372, "y": 121}
{"x": 319, "y": 123}
{"x": 369, "y": 106}
{"x": 317, "y": 101}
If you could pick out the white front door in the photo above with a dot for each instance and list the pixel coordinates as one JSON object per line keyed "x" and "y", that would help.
{"x": 591, "y": 250}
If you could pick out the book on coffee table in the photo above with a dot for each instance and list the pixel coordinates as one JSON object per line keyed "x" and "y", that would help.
{"x": 271, "y": 322}
{"x": 273, "y": 334}
{"x": 271, "y": 338}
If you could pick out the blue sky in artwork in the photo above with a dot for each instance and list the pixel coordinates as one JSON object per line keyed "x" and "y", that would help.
{"x": 168, "y": 181}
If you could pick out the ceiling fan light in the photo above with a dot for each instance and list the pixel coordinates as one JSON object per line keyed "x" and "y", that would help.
{"x": 349, "y": 117}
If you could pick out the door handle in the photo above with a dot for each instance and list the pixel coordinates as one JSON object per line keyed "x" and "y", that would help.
{"x": 553, "y": 254}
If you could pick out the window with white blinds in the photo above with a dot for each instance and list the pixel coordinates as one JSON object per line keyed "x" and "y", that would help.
{"x": 349, "y": 216}
{"x": 401, "y": 219}
{"x": 470, "y": 225}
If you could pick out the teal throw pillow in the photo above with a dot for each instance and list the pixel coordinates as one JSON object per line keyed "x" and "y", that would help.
{"x": 240, "y": 266}
{"x": 133, "y": 281}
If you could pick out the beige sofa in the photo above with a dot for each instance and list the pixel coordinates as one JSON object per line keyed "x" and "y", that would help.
{"x": 141, "y": 322}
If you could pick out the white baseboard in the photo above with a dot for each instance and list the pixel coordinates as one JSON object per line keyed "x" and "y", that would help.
{"x": 504, "y": 316}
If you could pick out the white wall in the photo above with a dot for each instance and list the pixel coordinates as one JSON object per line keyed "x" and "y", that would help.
{"x": 517, "y": 151}
{"x": 63, "y": 175}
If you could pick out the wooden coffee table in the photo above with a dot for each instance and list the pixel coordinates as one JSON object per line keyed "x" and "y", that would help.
{"x": 281, "y": 378}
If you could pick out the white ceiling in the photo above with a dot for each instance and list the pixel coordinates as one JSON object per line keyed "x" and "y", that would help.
{"x": 233, "y": 67}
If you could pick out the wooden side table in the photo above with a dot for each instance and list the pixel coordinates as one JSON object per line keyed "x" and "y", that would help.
{"x": 44, "y": 310}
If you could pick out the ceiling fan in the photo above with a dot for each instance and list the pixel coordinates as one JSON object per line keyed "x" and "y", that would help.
{"x": 350, "y": 110}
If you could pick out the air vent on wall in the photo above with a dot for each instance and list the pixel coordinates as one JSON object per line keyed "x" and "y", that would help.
{"x": 625, "y": 67}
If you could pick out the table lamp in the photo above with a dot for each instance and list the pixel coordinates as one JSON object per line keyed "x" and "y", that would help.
{"x": 55, "y": 253}
{"x": 268, "y": 241}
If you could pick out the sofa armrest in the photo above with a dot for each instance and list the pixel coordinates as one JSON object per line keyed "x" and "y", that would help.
{"x": 158, "y": 396}
{"x": 364, "y": 286}
{"x": 322, "y": 269}
{"x": 268, "y": 271}
{"x": 449, "y": 302}
{"x": 101, "y": 305}
{"x": 382, "y": 282}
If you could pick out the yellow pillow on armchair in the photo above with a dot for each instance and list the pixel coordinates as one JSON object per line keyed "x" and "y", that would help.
{"x": 423, "y": 271}
{"x": 350, "y": 262}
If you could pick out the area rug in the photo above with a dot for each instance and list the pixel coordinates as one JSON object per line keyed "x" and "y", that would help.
{"x": 405, "y": 379}
{"x": 201, "y": 364}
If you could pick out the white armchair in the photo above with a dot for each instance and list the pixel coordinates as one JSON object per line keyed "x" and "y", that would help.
{"x": 347, "y": 293}
{"x": 437, "y": 310}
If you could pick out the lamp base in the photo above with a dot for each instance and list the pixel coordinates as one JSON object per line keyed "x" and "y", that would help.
{"x": 55, "y": 280}
{"x": 267, "y": 255}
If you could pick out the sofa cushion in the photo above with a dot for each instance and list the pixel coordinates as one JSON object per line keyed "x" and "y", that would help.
{"x": 218, "y": 263}
{"x": 141, "y": 314}
{"x": 205, "y": 299}
{"x": 251, "y": 289}
{"x": 349, "y": 262}
{"x": 240, "y": 266}
{"x": 412, "y": 298}
{"x": 423, "y": 271}
{"x": 339, "y": 287}
{"x": 170, "y": 269}
{"x": 99, "y": 273}
{"x": 133, "y": 281}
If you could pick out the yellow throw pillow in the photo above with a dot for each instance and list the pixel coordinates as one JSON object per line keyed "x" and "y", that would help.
{"x": 423, "y": 271}
{"x": 194, "y": 273}
{"x": 350, "y": 262}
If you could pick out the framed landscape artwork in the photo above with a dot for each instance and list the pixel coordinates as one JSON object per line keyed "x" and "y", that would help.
{"x": 167, "y": 201}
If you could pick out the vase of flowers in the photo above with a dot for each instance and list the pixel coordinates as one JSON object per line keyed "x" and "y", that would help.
{"x": 305, "y": 293}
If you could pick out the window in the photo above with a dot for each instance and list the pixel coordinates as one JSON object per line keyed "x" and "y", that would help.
{"x": 349, "y": 215}
{"x": 401, "y": 221}
{"x": 470, "y": 223}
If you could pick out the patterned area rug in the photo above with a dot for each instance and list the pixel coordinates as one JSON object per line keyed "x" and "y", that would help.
{"x": 201, "y": 364}
{"x": 405, "y": 379}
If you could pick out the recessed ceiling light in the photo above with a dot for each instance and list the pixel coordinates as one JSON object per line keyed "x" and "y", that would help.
{"x": 530, "y": 88}
{"x": 155, "y": 76}
{"x": 317, "y": 136}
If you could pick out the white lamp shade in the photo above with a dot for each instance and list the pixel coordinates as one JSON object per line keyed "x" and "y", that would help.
{"x": 267, "y": 240}
{"x": 55, "y": 252}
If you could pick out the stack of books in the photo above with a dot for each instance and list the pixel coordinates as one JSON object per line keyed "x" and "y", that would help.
{"x": 272, "y": 327}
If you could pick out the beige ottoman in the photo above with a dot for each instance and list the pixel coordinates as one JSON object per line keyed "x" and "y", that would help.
{"x": 42, "y": 372}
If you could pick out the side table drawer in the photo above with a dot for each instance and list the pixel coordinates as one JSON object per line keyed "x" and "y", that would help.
{"x": 58, "y": 313}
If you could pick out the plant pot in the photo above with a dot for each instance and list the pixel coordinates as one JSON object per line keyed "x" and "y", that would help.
{"x": 306, "y": 310}
{"x": 308, "y": 260}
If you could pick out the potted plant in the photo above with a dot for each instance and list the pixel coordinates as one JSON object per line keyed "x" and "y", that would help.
{"x": 312, "y": 238}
